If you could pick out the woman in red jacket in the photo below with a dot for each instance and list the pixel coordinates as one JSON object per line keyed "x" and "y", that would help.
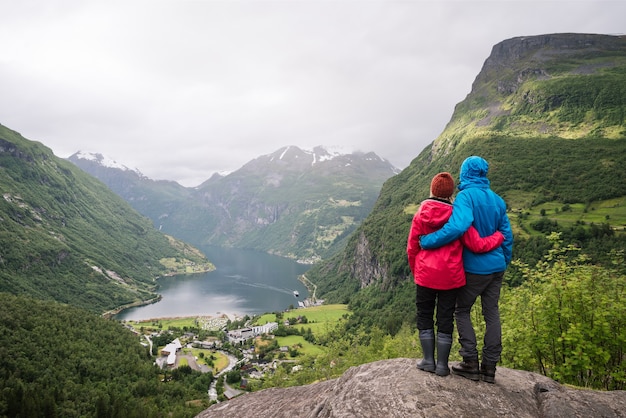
{"x": 439, "y": 273}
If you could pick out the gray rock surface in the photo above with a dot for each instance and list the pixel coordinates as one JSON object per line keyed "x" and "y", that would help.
{"x": 395, "y": 388}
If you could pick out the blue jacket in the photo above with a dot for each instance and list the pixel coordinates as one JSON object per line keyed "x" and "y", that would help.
{"x": 476, "y": 204}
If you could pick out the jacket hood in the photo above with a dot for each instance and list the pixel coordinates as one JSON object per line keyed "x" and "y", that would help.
{"x": 435, "y": 212}
{"x": 474, "y": 173}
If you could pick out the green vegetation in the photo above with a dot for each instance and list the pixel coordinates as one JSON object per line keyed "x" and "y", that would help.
{"x": 530, "y": 174}
{"x": 343, "y": 350}
{"x": 567, "y": 215}
{"x": 214, "y": 359}
{"x": 155, "y": 325}
{"x": 568, "y": 320}
{"x": 64, "y": 236}
{"x": 67, "y": 362}
{"x": 192, "y": 261}
{"x": 307, "y": 326}
{"x": 320, "y": 319}
{"x": 298, "y": 346}
{"x": 547, "y": 92}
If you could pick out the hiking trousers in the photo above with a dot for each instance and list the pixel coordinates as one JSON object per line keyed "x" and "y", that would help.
{"x": 488, "y": 288}
{"x": 445, "y": 300}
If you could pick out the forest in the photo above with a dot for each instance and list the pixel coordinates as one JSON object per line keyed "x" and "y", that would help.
{"x": 63, "y": 361}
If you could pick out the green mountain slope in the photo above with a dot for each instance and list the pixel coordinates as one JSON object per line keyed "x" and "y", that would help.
{"x": 539, "y": 154}
{"x": 65, "y": 236}
{"x": 152, "y": 198}
{"x": 560, "y": 85}
{"x": 61, "y": 361}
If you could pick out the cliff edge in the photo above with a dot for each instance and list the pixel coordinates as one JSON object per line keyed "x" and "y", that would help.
{"x": 395, "y": 388}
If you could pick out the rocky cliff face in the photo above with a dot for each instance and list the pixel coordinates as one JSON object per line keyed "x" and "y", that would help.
{"x": 395, "y": 388}
{"x": 367, "y": 268}
{"x": 508, "y": 53}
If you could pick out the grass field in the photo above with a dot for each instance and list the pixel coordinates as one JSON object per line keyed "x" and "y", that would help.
{"x": 320, "y": 318}
{"x": 297, "y": 340}
{"x": 611, "y": 211}
{"x": 219, "y": 364}
{"x": 607, "y": 211}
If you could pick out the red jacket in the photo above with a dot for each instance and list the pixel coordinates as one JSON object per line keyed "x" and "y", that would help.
{"x": 442, "y": 268}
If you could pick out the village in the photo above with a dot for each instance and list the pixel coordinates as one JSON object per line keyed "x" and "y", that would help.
{"x": 249, "y": 351}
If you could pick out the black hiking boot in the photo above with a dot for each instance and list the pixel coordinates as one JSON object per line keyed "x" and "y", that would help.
{"x": 427, "y": 339}
{"x": 488, "y": 373}
{"x": 468, "y": 368}
{"x": 444, "y": 343}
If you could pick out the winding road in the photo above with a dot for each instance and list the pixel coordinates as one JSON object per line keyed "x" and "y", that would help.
{"x": 229, "y": 392}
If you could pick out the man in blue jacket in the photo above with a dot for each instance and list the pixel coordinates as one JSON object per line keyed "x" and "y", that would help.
{"x": 476, "y": 204}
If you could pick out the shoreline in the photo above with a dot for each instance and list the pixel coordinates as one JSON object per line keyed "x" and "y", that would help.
{"x": 116, "y": 311}
{"x": 110, "y": 314}
{"x": 230, "y": 316}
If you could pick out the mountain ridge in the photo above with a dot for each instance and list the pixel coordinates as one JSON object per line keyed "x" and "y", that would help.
{"x": 311, "y": 196}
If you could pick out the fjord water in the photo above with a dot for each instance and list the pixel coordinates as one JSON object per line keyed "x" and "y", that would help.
{"x": 244, "y": 282}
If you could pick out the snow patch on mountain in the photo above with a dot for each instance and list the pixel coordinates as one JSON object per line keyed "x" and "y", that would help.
{"x": 327, "y": 153}
{"x": 104, "y": 161}
{"x": 284, "y": 152}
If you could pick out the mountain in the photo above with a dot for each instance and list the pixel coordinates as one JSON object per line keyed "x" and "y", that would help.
{"x": 152, "y": 198}
{"x": 65, "y": 236}
{"x": 567, "y": 86}
{"x": 547, "y": 112}
{"x": 295, "y": 203}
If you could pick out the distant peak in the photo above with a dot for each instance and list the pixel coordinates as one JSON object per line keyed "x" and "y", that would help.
{"x": 334, "y": 150}
{"x": 318, "y": 153}
{"x": 103, "y": 161}
{"x": 292, "y": 154}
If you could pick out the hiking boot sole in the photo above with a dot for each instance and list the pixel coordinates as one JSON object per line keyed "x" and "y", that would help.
{"x": 468, "y": 375}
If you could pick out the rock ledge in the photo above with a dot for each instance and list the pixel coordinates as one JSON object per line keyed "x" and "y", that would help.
{"x": 395, "y": 388}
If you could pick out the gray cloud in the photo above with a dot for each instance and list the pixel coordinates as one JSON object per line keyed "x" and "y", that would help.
{"x": 182, "y": 89}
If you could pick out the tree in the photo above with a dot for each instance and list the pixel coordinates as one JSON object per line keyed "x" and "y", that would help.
{"x": 568, "y": 320}
{"x": 233, "y": 376}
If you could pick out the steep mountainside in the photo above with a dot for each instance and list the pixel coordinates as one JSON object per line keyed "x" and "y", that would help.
{"x": 293, "y": 202}
{"x": 152, "y": 198}
{"x": 560, "y": 85}
{"x": 65, "y": 236}
{"x": 548, "y": 113}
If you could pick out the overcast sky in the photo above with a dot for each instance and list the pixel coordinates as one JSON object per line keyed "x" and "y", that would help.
{"x": 181, "y": 89}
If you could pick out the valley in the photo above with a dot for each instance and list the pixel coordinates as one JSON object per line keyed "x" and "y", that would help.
{"x": 205, "y": 345}
{"x": 77, "y": 239}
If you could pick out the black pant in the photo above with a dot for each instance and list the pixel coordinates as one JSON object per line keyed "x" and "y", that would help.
{"x": 488, "y": 288}
{"x": 425, "y": 301}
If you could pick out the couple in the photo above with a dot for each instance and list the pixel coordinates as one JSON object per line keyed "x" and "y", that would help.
{"x": 452, "y": 265}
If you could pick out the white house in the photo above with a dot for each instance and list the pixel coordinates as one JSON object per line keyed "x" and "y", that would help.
{"x": 265, "y": 329}
{"x": 170, "y": 351}
{"x": 242, "y": 334}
